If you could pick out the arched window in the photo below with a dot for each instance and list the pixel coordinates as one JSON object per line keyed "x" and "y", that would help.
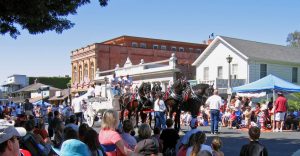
{"x": 92, "y": 69}
{"x": 75, "y": 74}
{"x": 80, "y": 73}
{"x": 85, "y": 71}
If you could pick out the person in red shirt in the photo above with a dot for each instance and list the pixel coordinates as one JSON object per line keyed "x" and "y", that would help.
{"x": 280, "y": 110}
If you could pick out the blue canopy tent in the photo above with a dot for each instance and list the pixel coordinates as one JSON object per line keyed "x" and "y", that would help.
{"x": 41, "y": 103}
{"x": 269, "y": 84}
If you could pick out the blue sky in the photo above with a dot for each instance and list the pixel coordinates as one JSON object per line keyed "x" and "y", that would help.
{"x": 48, "y": 54}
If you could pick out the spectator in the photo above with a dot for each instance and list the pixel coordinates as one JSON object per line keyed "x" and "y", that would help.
{"x": 156, "y": 136}
{"x": 216, "y": 145}
{"x": 247, "y": 115}
{"x": 111, "y": 140}
{"x": 40, "y": 129}
{"x": 147, "y": 145}
{"x": 237, "y": 104}
{"x": 169, "y": 137}
{"x": 72, "y": 123}
{"x": 254, "y": 147}
{"x": 91, "y": 140}
{"x": 183, "y": 149}
{"x": 159, "y": 110}
{"x": 28, "y": 107}
{"x": 186, "y": 137}
{"x": 69, "y": 133}
{"x": 129, "y": 140}
{"x": 232, "y": 119}
{"x": 214, "y": 103}
{"x": 56, "y": 119}
{"x": 198, "y": 145}
{"x": 82, "y": 130}
{"x": 58, "y": 134}
{"x": 9, "y": 144}
{"x": 50, "y": 124}
{"x": 280, "y": 110}
{"x": 73, "y": 147}
{"x": 77, "y": 108}
{"x": 225, "y": 117}
{"x": 256, "y": 114}
{"x": 204, "y": 153}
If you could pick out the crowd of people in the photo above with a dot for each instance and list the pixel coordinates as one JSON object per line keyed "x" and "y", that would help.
{"x": 23, "y": 129}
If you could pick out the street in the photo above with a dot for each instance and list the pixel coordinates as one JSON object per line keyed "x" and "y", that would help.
{"x": 278, "y": 144}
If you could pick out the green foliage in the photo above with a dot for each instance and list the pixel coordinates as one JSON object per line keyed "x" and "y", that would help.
{"x": 38, "y": 16}
{"x": 58, "y": 82}
{"x": 294, "y": 104}
{"x": 293, "y": 39}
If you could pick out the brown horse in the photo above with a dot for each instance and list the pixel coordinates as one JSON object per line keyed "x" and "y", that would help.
{"x": 128, "y": 103}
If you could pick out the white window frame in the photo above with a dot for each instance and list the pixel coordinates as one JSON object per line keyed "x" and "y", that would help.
{"x": 134, "y": 44}
{"x": 206, "y": 73}
{"x": 163, "y": 47}
{"x": 143, "y": 45}
{"x": 198, "y": 50}
{"x": 181, "y": 49}
{"x": 220, "y": 72}
{"x": 173, "y": 48}
{"x": 155, "y": 45}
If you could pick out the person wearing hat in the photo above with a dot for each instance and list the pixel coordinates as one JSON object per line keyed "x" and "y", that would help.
{"x": 280, "y": 110}
{"x": 9, "y": 143}
{"x": 73, "y": 147}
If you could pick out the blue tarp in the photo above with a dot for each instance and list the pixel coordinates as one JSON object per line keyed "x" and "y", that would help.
{"x": 40, "y": 103}
{"x": 268, "y": 84}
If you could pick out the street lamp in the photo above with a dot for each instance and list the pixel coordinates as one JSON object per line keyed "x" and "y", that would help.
{"x": 229, "y": 60}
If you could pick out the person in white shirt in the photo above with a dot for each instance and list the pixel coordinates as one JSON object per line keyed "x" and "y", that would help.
{"x": 91, "y": 91}
{"x": 77, "y": 108}
{"x": 214, "y": 103}
{"x": 159, "y": 111}
{"x": 198, "y": 145}
{"x": 237, "y": 104}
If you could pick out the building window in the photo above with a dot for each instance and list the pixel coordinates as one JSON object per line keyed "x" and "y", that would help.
{"x": 80, "y": 73}
{"x": 205, "y": 73}
{"x": 92, "y": 69}
{"x": 143, "y": 45}
{"x": 295, "y": 75}
{"x": 134, "y": 44}
{"x": 173, "y": 48}
{"x": 85, "y": 72}
{"x": 155, "y": 46}
{"x": 234, "y": 71}
{"x": 198, "y": 50}
{"x": 75, "y": 75}
{"x": 263, "y": 70}
{"x": 163, "y": 47}
{"x": 181, "y": 49}
{"x": 220, "y": 72}
{"x": 191, "y": 49}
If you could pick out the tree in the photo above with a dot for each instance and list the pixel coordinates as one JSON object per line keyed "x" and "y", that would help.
{"x": 38, "y": 16}
{"x": 293, "y": 39}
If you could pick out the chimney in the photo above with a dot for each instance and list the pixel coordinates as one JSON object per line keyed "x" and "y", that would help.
{"x": 209, "y": 41}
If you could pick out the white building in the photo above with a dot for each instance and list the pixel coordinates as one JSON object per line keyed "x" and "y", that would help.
{"x": 250, "y": 61}
{"x": 162, "y": 72}
{"x": 14, "y": 83}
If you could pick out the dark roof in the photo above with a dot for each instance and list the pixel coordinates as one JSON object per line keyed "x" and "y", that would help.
{"x": 34, "y": 87}
{"x": 265, "y": 51}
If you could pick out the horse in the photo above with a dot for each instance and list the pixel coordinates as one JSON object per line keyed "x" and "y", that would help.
{"x": 196, "y": 97}
{"x": 175, "y": 100}
{"x": 128, "y": 102}
{"x": 145, "y": 103}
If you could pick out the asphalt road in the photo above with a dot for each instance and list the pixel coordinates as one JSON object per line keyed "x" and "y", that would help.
{"x": 278, "y": 144}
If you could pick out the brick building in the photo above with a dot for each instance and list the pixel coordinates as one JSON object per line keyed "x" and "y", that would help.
{"x": 106, "y": 55}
